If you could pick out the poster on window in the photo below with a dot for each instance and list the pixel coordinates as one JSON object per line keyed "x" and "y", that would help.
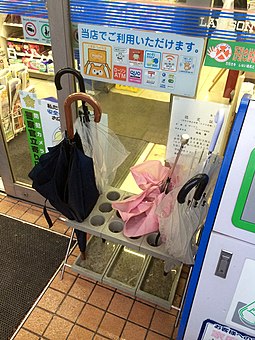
{"x": 42, "y": 122}
{"x": 157, "y": 61}
{"x": 233, "y": 55}
{"x": 197, "y": 119}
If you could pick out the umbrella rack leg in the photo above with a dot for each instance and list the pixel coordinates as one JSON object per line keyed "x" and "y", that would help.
{"x": 179, "y": 309}
{"x": 65, "y": 264}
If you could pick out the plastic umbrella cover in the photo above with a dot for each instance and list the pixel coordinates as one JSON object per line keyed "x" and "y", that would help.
{"x": 101, "y": 144}
{"x": 179, "y": 223}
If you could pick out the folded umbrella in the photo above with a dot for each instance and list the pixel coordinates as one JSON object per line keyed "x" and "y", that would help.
{"x": 178, "y": 229}
{"x": 64, "y": 175}
{"x": 138, "y": 211}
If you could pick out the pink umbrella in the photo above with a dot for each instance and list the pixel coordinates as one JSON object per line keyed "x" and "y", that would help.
{"x": 138, "y": 211}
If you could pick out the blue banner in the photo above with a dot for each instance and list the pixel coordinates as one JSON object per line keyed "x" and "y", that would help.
{"x": 24, "y": 7}
{"x": 190, "y": 21}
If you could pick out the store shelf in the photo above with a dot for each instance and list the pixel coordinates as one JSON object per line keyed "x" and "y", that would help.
{"x": 20, "y": 49}
{"x": 26, "y": 41}
{"x": 12, "y": 24}
{"x": 42, "y": 73}
{"x": 22, "y": 54}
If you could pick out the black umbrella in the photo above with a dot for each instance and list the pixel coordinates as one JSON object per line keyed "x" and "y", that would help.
{"x": 65, "y": 175}
{"x": 81, "y": 236}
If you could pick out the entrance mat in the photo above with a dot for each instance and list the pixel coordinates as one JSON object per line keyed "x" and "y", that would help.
{"x": 136, "y": 117}
{"x": 136, "y": 148}
{"x": 29, "y": 258}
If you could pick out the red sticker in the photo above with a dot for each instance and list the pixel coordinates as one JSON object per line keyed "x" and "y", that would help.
{"x": 120, "y": 72}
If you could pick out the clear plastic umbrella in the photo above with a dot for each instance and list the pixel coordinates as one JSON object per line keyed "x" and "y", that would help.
{"x": 179, "y": 229}
{"x": 98, "y": 141}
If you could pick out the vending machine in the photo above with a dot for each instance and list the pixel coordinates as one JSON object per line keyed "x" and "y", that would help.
{"x": 220, "y": 300}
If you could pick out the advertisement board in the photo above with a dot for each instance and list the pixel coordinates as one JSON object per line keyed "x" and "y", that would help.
{"x": 233, "y": 55}
{"x": 151, "y": 60}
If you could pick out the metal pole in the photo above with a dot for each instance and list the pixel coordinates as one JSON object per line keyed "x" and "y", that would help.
{"x": 67, "y": 254}
{"x": 62, "y": 51}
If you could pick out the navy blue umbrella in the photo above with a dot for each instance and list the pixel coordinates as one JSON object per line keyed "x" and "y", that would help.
{"x": 65, "y": 175}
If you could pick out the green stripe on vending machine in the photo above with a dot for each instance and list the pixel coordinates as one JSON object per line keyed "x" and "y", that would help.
{"x": 244, "y": 212}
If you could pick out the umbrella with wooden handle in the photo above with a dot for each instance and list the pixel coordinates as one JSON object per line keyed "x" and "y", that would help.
{"x": 65, "y": 175}
{"x": 68, "y": 110}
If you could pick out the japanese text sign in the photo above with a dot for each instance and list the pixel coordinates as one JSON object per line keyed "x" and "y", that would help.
{"x": 212, "y": 330}
{"x": 42, "y": 122}
{"x": 233, "y": 55}
{"x": 34, "y": 134}
{"x": 195, "y": 118}
{"x": 156, "y": 61}
{"x": 36, "y": 30}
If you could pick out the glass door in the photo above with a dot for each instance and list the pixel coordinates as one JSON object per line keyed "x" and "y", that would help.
{"x": 29, "y": 53}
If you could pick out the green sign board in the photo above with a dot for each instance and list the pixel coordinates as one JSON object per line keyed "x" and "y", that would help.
{"x": 34, "y": 134}
{"x": 233, "y": 55}
{"x": 244, "y": 212}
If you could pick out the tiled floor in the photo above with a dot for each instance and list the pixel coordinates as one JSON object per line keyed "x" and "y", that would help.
{"x": 80, "y": 308}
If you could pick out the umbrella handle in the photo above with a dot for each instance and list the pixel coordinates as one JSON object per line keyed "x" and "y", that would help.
{"x": 74, "y": 72}
{"x": 200, "y": 181}
{"x": 68, "y": 110}
{"x": 201, "y": 187}
{"x": 77, "y": 74}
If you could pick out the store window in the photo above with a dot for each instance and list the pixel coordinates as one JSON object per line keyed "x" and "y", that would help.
{"x": 129, "y": 80}
{"x": 26, "y": 65}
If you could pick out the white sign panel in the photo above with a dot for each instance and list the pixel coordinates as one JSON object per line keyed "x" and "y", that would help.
{"x": 241, "y": 313}
{"x": 212, "y": 330}
{"x": 196, "y": 118}
{"x": 159, "y": 61}
{"x": 36, "y": 30}
{"x": 49, "y": 116}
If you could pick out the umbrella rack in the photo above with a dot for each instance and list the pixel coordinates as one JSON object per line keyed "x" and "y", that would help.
{"x": 133, "y": 265}
{"x": 128, "y": 264}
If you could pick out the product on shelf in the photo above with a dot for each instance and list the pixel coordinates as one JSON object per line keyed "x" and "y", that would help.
{"x": 17, "y": 46}
{"x": 4, "y": 102}
{"x": 44, "y": 64}
{"x": 3, "y": 59}
{"x": 20, "y": 71}
{"x": 5, "y": 76}
{"x": 5, "y": 114}
{"x": 12, "y": 80}
{"x": 13, "y": 19}
{"x": 15, "y": 105}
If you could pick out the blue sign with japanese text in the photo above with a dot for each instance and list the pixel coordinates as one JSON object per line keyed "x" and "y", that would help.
{"x": 158, "y": 61}
{"x": 212, "y": 330}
